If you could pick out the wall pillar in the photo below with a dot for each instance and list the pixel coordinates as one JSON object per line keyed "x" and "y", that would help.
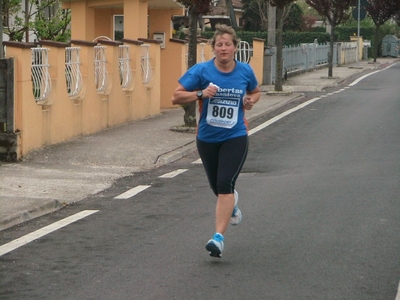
{"x": 135, "y": 16}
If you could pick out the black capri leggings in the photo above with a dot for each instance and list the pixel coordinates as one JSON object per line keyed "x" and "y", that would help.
{"x": 223, "y": 162}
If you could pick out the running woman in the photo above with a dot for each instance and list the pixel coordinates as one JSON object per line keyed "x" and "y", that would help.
{"x": 225, "y": 88}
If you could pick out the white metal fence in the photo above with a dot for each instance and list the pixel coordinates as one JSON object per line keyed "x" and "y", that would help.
{"x": 73, "y": 73}
{"x": 202, "y": 52}
{"x": 146, "y": 68}
{"x": 306, "y": 57}
{"x": 244, "y": 52}
{"x": 100, "y": 70}
{"x": 125, "y": 71}
{"x": 41, "y": 80}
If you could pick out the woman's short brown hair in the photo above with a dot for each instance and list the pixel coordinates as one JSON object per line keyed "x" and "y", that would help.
{"x": 221, "y": 29}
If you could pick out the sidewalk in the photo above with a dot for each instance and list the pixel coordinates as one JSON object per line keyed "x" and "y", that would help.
{"x": 51, "y": 177}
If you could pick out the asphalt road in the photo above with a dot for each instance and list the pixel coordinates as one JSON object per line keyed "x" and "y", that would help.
{"x": 321, "y": 217}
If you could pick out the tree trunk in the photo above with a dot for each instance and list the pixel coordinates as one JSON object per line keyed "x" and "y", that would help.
{"x": 330, "y": 54}
{"x": 271, "y": 26}
{"x": 376, "y": 43}
{"x": 279, "y": 50}
{"x": 189, "y": 117}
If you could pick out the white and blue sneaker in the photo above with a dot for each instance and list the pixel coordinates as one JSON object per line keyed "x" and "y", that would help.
{"x": 215, "y": 245}
{"x": 236, "y": 217}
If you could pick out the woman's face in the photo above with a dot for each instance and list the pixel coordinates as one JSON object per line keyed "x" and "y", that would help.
{"x": 224, "y": 48}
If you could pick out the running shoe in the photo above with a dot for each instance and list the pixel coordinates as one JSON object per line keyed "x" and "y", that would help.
{"x": 236, "y": 217}
{"x": 215, "y": 245}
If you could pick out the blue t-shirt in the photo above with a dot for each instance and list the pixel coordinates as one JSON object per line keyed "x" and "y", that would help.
{"x": 221, "y": 117}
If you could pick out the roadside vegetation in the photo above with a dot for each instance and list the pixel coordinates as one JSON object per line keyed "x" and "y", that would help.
{"x": 46, "y": 19}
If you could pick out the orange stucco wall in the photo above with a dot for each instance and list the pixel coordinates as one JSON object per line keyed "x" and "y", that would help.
{"x": 257, "y": 61}
{"x": 160, "y": 22}
{"x": 59, "y": 117}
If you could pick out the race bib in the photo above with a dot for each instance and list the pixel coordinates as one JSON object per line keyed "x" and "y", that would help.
{"x": 223, "y": 112}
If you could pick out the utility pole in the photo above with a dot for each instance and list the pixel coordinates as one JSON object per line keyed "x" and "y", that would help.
{"x": 271, "y": 26}
{"x": 26, "y": 21}
{"x": 231, "y": 13}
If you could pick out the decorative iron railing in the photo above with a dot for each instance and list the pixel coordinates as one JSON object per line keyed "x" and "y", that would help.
{"x": 202, "y": 54}
{"x": 100, "y": 70}
{"x": 125, "y": 71}
{"x": 243, "y": 52}
{"x": 73, "y": 73}
{"x": 147, "y": 73}
{"x": 41, "y": 80}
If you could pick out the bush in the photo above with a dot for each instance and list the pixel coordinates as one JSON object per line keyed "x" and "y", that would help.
{"x": 291, "y": 38}
{"x": 367, "y": 33}
{"x": 344, "y": 33}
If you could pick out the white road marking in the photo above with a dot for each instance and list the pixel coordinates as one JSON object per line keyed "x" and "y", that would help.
{"x": 43, "y": 231}
{"x": 197, "y": 162}
{"x": 362, "y": 77}
{"x": 132, "y": 192}
{"x": 173, "y": 174}
{"x": 398, "y": 293}
{"x": 365, "y": 76}
{"x": 282, "y": 115}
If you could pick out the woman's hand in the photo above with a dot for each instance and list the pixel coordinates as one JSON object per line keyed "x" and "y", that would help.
{"x": 210, "y": 91}
{"x": 182, "y": 96}
{"x": 248, "y": 102}
{"x": 251, "y": 98}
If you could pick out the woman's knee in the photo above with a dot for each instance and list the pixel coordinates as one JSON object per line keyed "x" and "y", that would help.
{"x": 225, "y": 187}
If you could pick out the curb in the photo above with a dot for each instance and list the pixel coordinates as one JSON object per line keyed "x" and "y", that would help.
{"x": 31, "y": 213}
{"x": 175, "y": 154}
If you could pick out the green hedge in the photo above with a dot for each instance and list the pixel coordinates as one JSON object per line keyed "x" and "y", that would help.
{"x": 367, "y": 33}
{"x": 291, "y": 38}
{"x": 344, "y": 33}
